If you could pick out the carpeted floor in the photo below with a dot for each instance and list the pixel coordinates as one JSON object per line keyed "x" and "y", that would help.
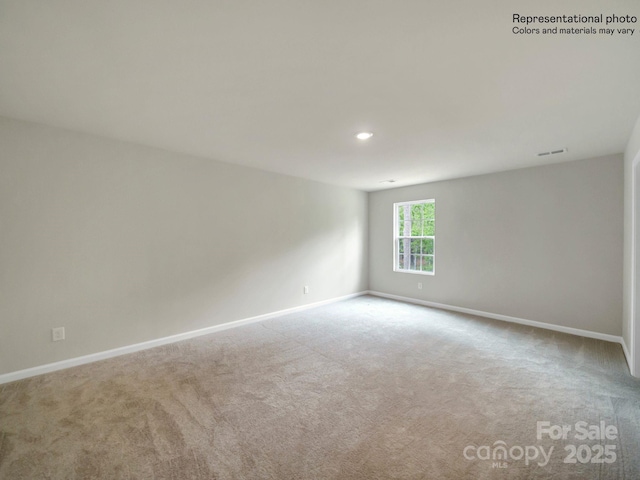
{"x": 362, "y": 389}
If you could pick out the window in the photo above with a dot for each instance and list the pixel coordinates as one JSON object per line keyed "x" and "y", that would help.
{"x": 414, "y": 227}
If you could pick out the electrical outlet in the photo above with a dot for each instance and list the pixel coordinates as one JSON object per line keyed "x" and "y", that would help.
{"x": 306, "y": 289}
{"x": 419, "y": 285}
{"x": 57, "y": 334}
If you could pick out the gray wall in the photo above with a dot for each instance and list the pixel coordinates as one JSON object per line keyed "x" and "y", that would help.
{"x": 121, "y": 243}
{"x": 542, "y": 244}
{"x": 632, "y": 151}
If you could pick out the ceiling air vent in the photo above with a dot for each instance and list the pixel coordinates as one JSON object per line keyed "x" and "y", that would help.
{"x": 553, "y": 152}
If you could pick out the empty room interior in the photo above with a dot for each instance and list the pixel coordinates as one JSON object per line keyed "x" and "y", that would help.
{"x": 319, "y": 240}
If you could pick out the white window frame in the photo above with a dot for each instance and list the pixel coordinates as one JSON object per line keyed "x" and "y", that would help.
{"x": 397, "y": 237}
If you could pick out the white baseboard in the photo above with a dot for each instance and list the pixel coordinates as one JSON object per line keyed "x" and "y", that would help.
{"x": 627, "y": 355}
{"x": 94, "y": 357}
{"x": 506, "y": 318}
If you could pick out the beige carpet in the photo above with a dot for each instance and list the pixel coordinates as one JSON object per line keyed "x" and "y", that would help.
{"x": 362, "y": 389}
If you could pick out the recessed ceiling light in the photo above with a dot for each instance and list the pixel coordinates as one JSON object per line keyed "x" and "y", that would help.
{"x": 388, "y": 181}
{"x": 364, "y": 135}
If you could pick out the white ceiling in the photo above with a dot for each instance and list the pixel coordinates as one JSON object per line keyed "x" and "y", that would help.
{"x": 283, "y": 85}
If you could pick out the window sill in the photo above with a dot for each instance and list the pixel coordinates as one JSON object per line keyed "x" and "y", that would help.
{"x": 414, "y": 272}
